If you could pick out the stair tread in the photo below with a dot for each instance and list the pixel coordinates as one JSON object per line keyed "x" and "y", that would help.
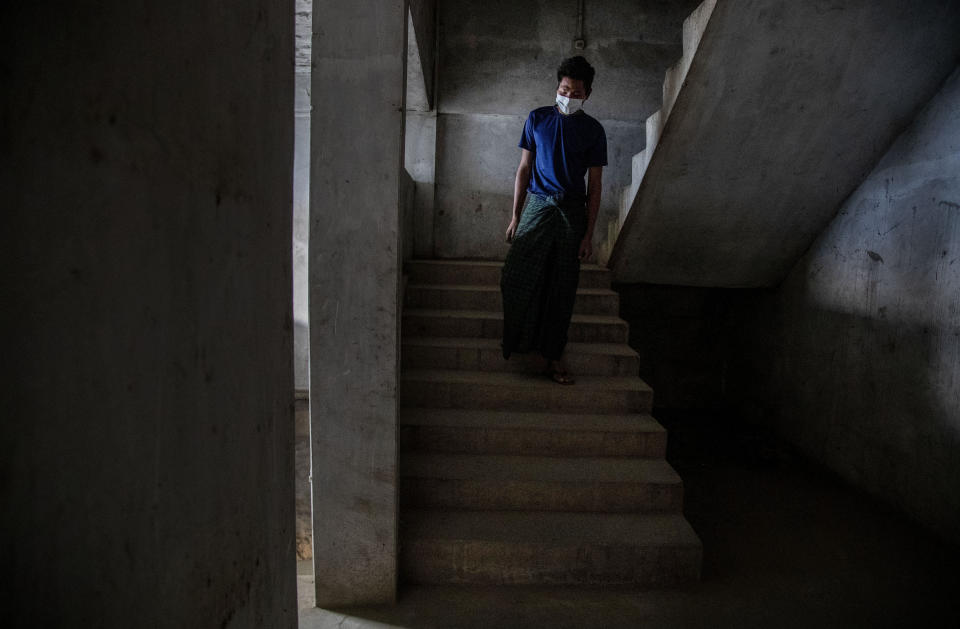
{"x": 472, "y": 342}
{"x": 489, "y": 314}
{"x": 496, "y": 288}
{"x": 459, "y": 418}
{"x": 496, "y": 263}
{"x": 533, "y": 381}
{"x": 549, "y": 528}
{"x": 488, "y": 272}
{"x": 566, "y": 470}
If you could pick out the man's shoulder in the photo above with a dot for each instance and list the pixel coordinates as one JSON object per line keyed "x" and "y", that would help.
{"x": 591, "y": 122}
{"x": 542, "y": 112}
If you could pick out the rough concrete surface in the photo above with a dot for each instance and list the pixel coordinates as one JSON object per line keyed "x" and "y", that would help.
{"x": 408, "y": 194}
{"x": 301, "y": 193}
{"x": 554, "y": 434}
{"x": 418, "y": 94}
{"x": 303, "y": 31}
{"x": 856, "y": 358}
{"x": 302, "y": 465}
{"x": 420, "y": 144}
{"x": 786, "y": 108}
{"x": 549, "y": 515}
{"x": 785, "y": 545}
{"x": 486, "y": 272}
{"x": 498, "y": 61}
{"x": 355, "y": 248}
{"x": 146, "y": 456}
{"x": 423, "y": 23}
{"x": 301, "y": 226}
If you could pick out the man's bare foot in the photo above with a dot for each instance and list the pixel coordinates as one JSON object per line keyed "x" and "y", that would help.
{"x": 557, "y": 372}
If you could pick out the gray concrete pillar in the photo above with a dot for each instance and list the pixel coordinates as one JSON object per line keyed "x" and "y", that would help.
{"x": 356, "y": 159}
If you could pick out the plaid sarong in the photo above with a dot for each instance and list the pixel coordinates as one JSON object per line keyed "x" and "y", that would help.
{"x": 540, "y": 276}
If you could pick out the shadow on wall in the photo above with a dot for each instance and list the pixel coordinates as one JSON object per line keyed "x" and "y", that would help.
{"x": 684, "y": 337}
{"x": 872, "y": 398}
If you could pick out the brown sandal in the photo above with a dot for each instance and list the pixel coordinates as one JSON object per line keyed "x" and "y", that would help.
{"x": 560, "y": 376}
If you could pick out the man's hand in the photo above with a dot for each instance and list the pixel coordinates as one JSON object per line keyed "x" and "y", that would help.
{"x": 511, "y": 230}
{"x": 586, "y": 248}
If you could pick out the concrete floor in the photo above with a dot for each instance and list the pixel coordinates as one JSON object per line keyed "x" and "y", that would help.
{"x": 785, "y": 545}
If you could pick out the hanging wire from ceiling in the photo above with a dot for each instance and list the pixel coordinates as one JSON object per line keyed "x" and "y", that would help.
{"x": 579, "y": 43}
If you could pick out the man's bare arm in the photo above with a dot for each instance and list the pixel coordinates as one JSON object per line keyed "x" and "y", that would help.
{"x": 520, "y": 184}
{"x": 594, "y": 187}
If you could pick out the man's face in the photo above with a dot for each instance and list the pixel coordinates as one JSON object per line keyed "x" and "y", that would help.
{"x": 572, "y": 88}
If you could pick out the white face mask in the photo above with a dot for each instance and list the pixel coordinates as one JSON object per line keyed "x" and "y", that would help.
{"x": 569, "y": 105}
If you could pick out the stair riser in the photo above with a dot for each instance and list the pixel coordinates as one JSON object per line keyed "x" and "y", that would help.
{"x": 491, "y": 360}
{"x": 515, "y": 495}
{"x": 579, "y": 332}
{"x": 452, "y": 299}
{"x": 571, "y": 399}
{"x": 454, "y": 273}
{"x": 477, "y": 562}
{"x": 460, "y": 440}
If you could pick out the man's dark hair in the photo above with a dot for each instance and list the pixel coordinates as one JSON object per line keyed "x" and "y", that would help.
{"x": 577, "y": 68}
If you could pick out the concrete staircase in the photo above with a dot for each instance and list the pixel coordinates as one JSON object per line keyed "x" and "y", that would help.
{"x": 775, "y": 113}
{"x": 693, "y": 28}
{"x": 509, "y": 478}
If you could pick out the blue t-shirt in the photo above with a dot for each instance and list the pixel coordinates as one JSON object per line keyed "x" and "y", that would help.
{"x": 564, "y": 148}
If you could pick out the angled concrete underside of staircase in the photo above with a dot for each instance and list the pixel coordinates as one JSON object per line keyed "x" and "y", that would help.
{"x": 507, "y": 478}
{"x": 773, "y": 116}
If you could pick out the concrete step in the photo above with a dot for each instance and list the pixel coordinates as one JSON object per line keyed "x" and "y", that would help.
{"x": 546, "y": 434}
{"x": 485, "y": 482}
{"x": 448, "y": 388}
{"x": 489, "y": 324}
{"x": 599, "y": 301}
{"x": 484, "y": 354}
{"x": 539, "y": 548}
{"x": 486, "y": 272}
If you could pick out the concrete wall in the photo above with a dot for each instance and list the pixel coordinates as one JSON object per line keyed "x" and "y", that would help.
{"x": 856, "y": 358}
{"x": 301, "y": 195}
{"x": 355, "y": 249}
{"x": 146, "y": 455}
{"x": 423, "y": 23}
{"x": 408, "y": 195}
{"x": 420, "y": 139}
{"x": 304, "y": 509}
{"x": 420, "y": 161}
{"x": 498, "y": 61}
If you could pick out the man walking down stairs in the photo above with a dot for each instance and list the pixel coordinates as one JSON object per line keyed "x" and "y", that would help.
{"x": 506, "y": 478}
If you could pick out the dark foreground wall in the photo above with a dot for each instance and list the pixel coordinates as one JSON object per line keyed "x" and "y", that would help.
{"x": 146, "y": 463}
